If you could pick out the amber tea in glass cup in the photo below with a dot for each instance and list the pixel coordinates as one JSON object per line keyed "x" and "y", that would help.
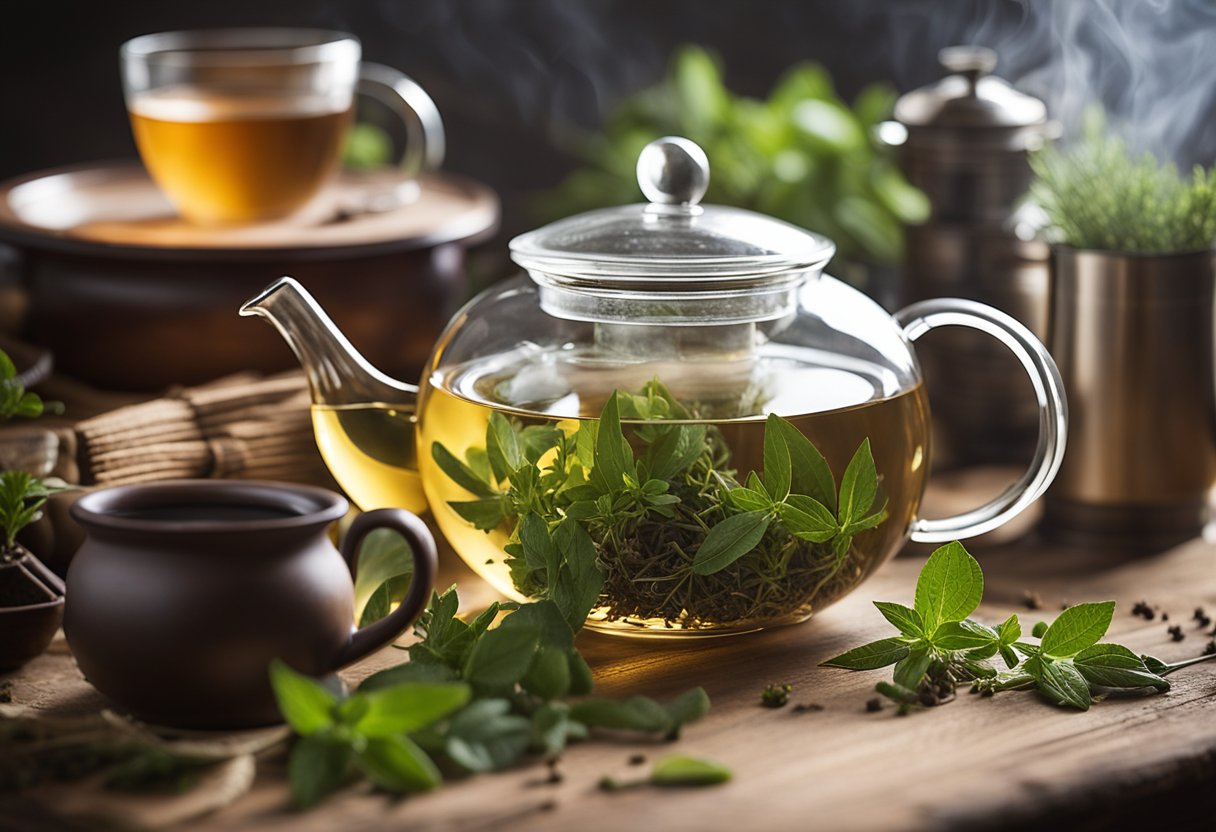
{"x": 247, "y": 125}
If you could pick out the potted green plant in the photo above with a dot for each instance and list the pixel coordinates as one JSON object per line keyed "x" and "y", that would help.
{"x": 1132, "y": 332}
{"x": 31, "y": 595}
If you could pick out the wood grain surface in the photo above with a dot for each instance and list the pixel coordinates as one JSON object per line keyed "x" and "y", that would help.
{"x": 1007, "y": 762}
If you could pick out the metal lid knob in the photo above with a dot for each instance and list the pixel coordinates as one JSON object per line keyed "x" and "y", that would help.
{"x": 673, "y": 171}
{"x": 971, "y": 62}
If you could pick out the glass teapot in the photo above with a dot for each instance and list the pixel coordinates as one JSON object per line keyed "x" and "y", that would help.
{"x": 673, "y": 423}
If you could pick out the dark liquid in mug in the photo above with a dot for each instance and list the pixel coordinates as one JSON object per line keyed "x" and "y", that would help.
{"x": 222, "y": 513}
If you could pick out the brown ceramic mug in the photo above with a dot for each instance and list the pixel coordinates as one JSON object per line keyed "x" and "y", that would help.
{"x": 184, "y": 591}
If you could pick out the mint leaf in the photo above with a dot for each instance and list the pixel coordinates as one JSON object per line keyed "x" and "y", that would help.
{"x": 405, "y": 708}
{"x": 950, "y": 586}
{"x": 1076, "y": 628}
{"x": 486, "y": 514}
{"x": 1063, "y": 684}
{"x": 577, "y": 588}
{"x": 1114, "y": 666}
{"x": 501, "y": 657}
{"x": 637, "y": 713}
{"x": 613, "y": 456}
{"x": 409, "y": 672}
{"x": 502, "y": 447}
{"x": 679, "y": 770}
{"x": 810, "y": 474}
{"x": 858, "y": 486}
{"x": 581, "y": 679}
{"x": 486, "y": 736}
{"x": 459, "y": 473}
{"x": 540, "y": 552}
{"x": 318, "y": 766}
{"x": 675, "y": 450}
{"x": 904, "y": 619}
{"x": 964, "y": 635}
{"x": 397, "y": 764}
{"x": 871, "y": 656}
{"x": 383, "y": 556}
{"x": 911, "y": 669}
{"x": 746, "y": 499}
{"x": 546, "y": 619}
{"x": 808, "y": 519}
{"x": 776, "y": 461}
{"x": 304, "y": 703}
{"x": 549, "y": 676}
{"x": 688, "y": 707}
{"x": 730, "y": 540}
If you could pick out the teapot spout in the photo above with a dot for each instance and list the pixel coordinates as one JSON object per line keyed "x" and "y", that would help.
{"x": 337, "y": 373}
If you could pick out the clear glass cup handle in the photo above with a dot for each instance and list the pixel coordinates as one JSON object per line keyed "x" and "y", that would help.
{"x": 922, "y": 317}
{"x": 424, "y": 137}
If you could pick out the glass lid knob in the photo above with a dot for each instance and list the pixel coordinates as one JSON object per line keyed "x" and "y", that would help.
{"x": 673, "y": 171}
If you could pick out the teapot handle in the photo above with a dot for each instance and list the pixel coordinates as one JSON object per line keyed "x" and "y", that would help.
{"x": 921, "y": 317}
{"x": 422, "y": 548}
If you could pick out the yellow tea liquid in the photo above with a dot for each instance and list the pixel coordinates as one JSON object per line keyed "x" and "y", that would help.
{"x": 840, "y": 408}
{"x": 237, "y": 158}
{"x": 369, "y": 448}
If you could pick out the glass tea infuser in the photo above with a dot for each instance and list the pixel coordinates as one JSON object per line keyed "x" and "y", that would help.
{"x": 600, "y": 430}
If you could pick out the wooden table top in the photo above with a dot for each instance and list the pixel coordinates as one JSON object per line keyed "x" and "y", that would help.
{"x": 976, "y": 763}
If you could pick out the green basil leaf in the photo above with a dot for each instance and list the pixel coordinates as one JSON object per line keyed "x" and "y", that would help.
{"x": 502, "y": 656}
{"x": 549, "y": 675}
{"x": 679, "y": 770}
{"x": 637, "y": 713}
{"x": 777, "y": 473}
{"x": 675, "y": 450}
{"x": 485, "y": 513}
{"x": 904, "y": 619}
{"x": 304, "y": 703}
{"x": 397, "y": 764}
{"x": 408, "y": 707}
{"x": 1064, "y": 685}
{"x": 578, "y": 585}
{"x": 910, "y": 670}
{"x": 540, "y": 552}
{"x": 538, "y": 440}
{"x": 745, "y": 499}
{"x": 964, "y": 635}
{"x": 411, "y": 672}
{"x": 613, "y": 456}
{"x": 502, "y": 447}
{"x": 808, "y": 519}
{"x": 871, "y": 656}
{"x": 730, "y": 540}
{"x": 1009, "y": 655}
{"x": 383, "y": 556}
{"x": 810, "y": 474}
{"x": 866, "y": 523}
{"x": 317, "y": 767}
{"x": 1010, "y": 630}
{"x": 459, "y": 473}
{"x": 950, "y": 586}
{"x": 1114, "y": 666}
{"x": 858, "y": 486}
{"x": 1076, "y": 628}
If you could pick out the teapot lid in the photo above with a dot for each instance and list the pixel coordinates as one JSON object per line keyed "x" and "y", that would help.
{"x": 672, "y": 242}
{"x": 970, "y": 98}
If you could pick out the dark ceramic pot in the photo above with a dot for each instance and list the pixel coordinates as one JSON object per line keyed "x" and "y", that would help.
{"x": 28, "y": 625}
{"x": 185, "y": 591}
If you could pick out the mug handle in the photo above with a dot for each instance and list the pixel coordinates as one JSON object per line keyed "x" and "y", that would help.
{"x": 921, "y": 317}
{"x": 422, "y": 548}
{"x": 425, "y": 144}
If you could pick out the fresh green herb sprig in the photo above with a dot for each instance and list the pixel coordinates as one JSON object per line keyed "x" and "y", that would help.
{"x": 1097, "y": 196}
{"x": 21, "y": 500}
{"x": 15, "y": 401}
{"x": 940, "y": 646}
{"x": 472, "y": 698}
{"x": 802, "y": 155}
{"x": 666, "y": 533}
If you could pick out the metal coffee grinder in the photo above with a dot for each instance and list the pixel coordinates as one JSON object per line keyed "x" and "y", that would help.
{"x": 965, "y": 143}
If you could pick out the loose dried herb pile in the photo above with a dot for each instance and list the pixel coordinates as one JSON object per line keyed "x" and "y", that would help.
{"x": 667, "y": 533}
{"x": 940, "y": 646}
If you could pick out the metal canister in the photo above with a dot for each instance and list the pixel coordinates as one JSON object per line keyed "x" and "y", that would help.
{"x": 966, "y": 144}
